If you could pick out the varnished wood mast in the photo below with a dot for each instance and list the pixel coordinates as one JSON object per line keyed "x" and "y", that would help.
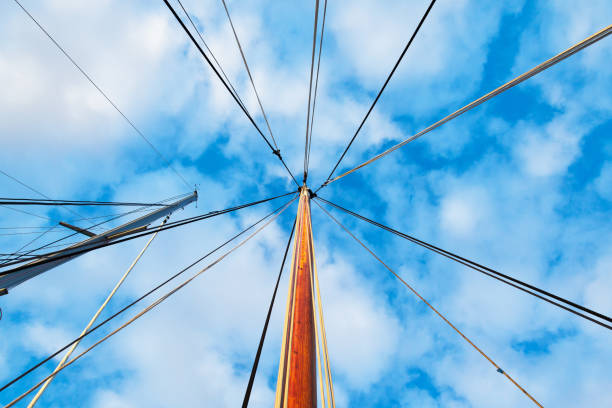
{"x": 297, "y": 380}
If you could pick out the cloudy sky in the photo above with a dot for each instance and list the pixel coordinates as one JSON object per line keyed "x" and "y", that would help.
{"x": 522, "y": 184}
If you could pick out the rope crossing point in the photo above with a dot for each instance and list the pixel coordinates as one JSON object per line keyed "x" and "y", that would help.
{"x": 111, "y": 217}
{"x": 498, "y": 368}
{"x": 93, "y": 319}
{"x": 508, "y": 280}
{"x": 276, "y": 152}
{"x": 247, "y": 393}
{"x": 133, "y": 303}
{"x": 56, "y": 255}
{"x": 399, "y": 60}
{"x": 212, "y": 54}
{"x": 532, "y": 72}
{"x": 150, "y": 307}
{"x": 246, "y": 65}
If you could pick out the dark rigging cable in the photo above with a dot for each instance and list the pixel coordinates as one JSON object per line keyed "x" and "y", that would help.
{"x": 32, "y": 201}
{"x": 24, "y": 185}
{"x": 381, "y": 91}
{"x": 314, "y": 99}
{"x": 314, "y": 45}
{"x": 508, "y": 280}
{"x": 211, "y": 54}
{"x": 433, "y": 309}
{"x": 77, "y": 66}
{"x": 193, "y": 40}
{"x": 113, "y": 217}
{"x": 601, "y": 34}
{"x": 246, "y": 65}
{"x": 130, "y": 305}
{"x": 155, "y": 303}
{"x": 57, "y": 255}
{"x": 43, "y": 217}
{"x": 15, "y": 255}
{"x": 247, "y": 393}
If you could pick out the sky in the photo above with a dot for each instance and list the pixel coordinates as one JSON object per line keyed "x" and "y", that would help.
{"x": 522, "y": 184}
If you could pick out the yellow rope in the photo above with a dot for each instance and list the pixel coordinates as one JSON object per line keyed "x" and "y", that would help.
{"x": 328, "y": 378}
{"x": 148, "y": 308}
{"x": 282, "y": 381}
{"x": 432, "y": 308}
{"x": 317, "y": 333}
{"x": 93, "y": 319}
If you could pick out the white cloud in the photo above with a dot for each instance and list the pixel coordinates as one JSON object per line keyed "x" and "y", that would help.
{"x": 462, "y": 211}
{"x": 550, "y": 150}
{"x": 62, "y": 138}
{"x": 603, "y": 183}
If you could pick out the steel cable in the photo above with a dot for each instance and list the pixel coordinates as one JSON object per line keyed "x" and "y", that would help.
{"x": 314, "y": 45}
{"x": 150, "y": 307}
{"x": 314, "y": 100}
{"x": 56, "y": 255}
{"x": 508, "y": 280}
{"x": 212, "y": 55}
{"x": 246, "y": 65}
{"x": 498, "y": 368}
{"x": 534, "y": 71}
{"x": 130, "y": 305}
{"x": 399, "y": 60}
{"x": 276, "y": 152}
{"x": 247, "y": 393}
{"x": 77, "y": 66}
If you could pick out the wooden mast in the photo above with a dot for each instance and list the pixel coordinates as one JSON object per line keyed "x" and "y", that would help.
{"x": 297, "y": 380}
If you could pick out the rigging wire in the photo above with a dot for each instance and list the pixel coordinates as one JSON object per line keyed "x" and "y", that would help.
{"x": 276, "y": 152}
{"x": 136, "y": 301}
{"x": 212, "y": 54}
{"x": 247, "y": 393}
{"x": 312, "y": 61}
{"x": 532, "y": 72}
{"x": 24, "y": 184}
{"x": 497, "y": 367}
{"x": 114, "y": 217}
{"x": 33, "y": 201}
{"x": 249, "y": 73}
{"x": 43, "y": 217}
{"x": 399, "y": 60}
{"x": 15, "y": 255}
{"x": 57, "y": 255}
{"x": 314, "y": 100}
{"x": 154, "y": 304}
{"x": 37, "y": 192}
{"x": 5, "y": 234}
{"x": 508, "y": 280}
{"x": 93, "y": 319}
{"x": 77, "y": 66}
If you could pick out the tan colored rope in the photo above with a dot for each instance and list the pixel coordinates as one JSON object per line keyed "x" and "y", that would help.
{"x": 432, "y": 308}
{"x": 148, "y": 308}
{"x": 534, "y": 71}
{"x": 282, "y": 378}
{"x": 331, "y": 401}
{"x": 93, "y": 319}
{"x": 317, "y": 337}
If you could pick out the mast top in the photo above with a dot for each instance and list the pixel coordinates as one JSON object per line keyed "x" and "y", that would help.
{"x": 304, "y": 189}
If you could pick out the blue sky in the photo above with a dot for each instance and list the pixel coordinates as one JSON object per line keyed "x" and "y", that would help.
{"x": 522, "y": 184}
